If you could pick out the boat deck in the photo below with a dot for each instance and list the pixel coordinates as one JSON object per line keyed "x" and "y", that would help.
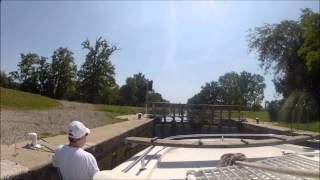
{"x": 238, "y": 172}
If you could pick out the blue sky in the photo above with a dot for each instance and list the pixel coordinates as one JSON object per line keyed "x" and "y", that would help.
{"x": 180, "y": 45}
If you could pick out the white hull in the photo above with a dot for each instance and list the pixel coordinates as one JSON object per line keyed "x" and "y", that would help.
{"x": 174, "y": 163}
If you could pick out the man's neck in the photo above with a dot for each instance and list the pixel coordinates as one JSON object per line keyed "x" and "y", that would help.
{"x": 74, "y": 145}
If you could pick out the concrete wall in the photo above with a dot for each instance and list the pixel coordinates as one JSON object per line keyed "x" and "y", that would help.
{"x": 109, "y": 154}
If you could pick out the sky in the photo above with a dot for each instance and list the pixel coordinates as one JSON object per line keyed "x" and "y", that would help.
{"x": 180, "y": 45}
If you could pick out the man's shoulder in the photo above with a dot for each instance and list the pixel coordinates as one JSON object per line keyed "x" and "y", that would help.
{"x": 59, "y": 148}
{"x": 86, "y": 154}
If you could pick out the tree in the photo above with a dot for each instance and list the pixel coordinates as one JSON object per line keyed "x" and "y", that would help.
{"x": 211, "y": 93}
{"x": 292, "y": 49}
{"x": 155, "y": 97}
{"x": 244, "y": 89}
{"x": 4, "y": 79}
{"x": 135, "y": 89}
{"x": 277, "y": 47}
{"x": 141, "y": 83}
{"x": 7, "y": 81}
{"x": 63, "y": 73}
{"x": 128, "y": 92}
{"x": 31, "y": 73}
{"x": 231, "y": 88}
{"x": 97, "y": 73}
{"x": 310, "y": 49}
{"x": 251, "y": 89}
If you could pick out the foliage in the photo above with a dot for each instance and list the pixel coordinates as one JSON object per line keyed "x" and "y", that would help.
{"x": 155, "y": 97}
{"x": 63, "y": 73}
{"x": 251, "y": 89}
{"x": 43, "y": 73}
{"x": 277, "y": 47}
{"x": 133, "y": 93}
{"x": 299, "y": 107}
{"x": 4, "y": 81}
{"x": 96, "y": 75}
{"x": 7, "y": 82}
{"x": 230, "y": 85}
{"x": 31, "y": 72}
{"x": 310, "y": 50}
{"x": 210, "y": 93}
{"x": 273, "y": 108}
{"x": 245, "y": 89}
{"x": 292, "y": 49}
{"x": 128, "y": 92}
{"x": 24, "y": 100}
{"x": 264, "y": 116}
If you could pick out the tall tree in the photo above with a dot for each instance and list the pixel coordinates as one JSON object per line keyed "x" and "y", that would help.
{"x": 128, "y": 92}
{"x": 277, "y": 47}
{"x": 4, "y": 79}
{"x": 29, "y": 70}
{"x": 292, "y": 49}
{"x": 44, "y": 76}
{"x": 244, "y": 89}
{"x": 63, "y": 72}
{"x": 134, "y": 92}
{"x": 211, "y": 93}
{"x": 231, "y": 88}
{"x": 141, "y": 83}
{"x": 251, "y": 88}
{"x": 97, "y": 72}
{"x": 310, "y": 49}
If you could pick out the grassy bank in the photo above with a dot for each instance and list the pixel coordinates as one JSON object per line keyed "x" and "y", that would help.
{"x": 23, "y": 100}
{"x": 264, "y": 116}
{"x": 114, "y": 110}
{"x": 312, "y": 126}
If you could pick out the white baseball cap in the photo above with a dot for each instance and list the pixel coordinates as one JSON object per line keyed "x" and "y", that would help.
{"x": 77, "y": 129}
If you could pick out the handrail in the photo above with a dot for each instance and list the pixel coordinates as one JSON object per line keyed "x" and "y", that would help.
{"x": 137, "y": 160}
{"x": 174, "y": 141}
{"x": 179, "y": 137}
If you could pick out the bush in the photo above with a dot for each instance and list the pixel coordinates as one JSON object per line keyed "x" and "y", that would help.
{"x": 273, "y": 109}
{"x": 300, "y": 106}
{"x": 256, "y": 107}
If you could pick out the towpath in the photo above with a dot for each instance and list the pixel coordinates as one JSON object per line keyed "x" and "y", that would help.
{"x": 18, "y": 158}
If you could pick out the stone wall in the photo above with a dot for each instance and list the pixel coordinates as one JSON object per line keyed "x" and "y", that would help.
{"x": 109, "y": 154}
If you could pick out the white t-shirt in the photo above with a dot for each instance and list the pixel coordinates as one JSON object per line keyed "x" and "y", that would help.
{"x": 75, "y": 163}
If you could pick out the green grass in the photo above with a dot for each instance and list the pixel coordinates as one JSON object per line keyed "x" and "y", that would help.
{"x": 264, "y": 116}
{"x": 112, "y": 111}
{"x": 23, "y": 100}
{"x": 115, "y": 110}
{"x": 312, "y": 126}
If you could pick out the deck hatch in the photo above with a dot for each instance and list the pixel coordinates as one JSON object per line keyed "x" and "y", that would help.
{"x": 238, "y": 172}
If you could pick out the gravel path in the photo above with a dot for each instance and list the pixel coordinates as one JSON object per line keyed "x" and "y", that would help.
{"x": 15, "y": 124}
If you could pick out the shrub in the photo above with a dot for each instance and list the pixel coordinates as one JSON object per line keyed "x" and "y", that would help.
{"x": 273, "y": 109}
{"x": 300, "y": 106}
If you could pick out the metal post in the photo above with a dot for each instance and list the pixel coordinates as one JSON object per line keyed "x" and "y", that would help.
{"x": 146, "y": 97}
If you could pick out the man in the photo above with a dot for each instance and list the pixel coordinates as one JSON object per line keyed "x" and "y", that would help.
{"x": 71, "y": 160}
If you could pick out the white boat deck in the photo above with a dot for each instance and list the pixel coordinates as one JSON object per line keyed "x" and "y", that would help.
{"x": 173, "y": 163}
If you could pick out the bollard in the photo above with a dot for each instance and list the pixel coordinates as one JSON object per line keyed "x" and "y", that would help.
{"x": 257, "y": 120}
{"x": 139, "y": 115}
